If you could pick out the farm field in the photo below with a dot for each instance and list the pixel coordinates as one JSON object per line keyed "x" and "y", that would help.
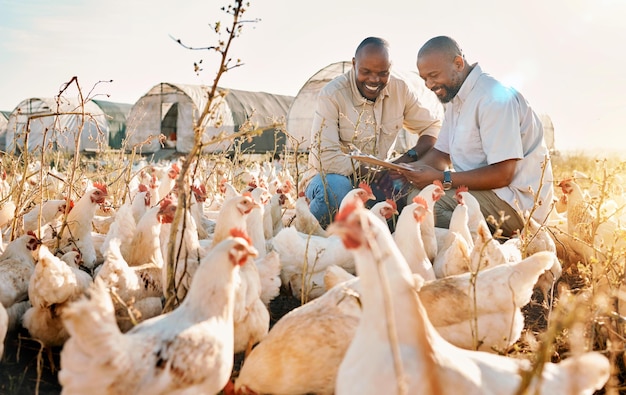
{"x": 26, "y": 366}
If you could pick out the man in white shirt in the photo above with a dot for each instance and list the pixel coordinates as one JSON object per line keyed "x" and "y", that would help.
{"x": 491, "y": 139}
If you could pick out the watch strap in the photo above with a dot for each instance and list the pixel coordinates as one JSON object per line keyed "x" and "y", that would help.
{"x": 447, "y": 180}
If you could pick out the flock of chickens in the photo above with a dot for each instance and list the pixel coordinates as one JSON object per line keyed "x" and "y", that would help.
{"x": 419, "y": 310}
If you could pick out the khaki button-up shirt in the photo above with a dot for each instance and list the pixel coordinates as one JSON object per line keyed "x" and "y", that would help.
{"x": 344, "y": 117}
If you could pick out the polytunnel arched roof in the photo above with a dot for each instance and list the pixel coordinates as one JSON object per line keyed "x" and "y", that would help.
{"x": 67, "y": 112}
{"x": 300, "y": 115}
{"x": 242, "y": 103}
{"x": 238, "y": 106}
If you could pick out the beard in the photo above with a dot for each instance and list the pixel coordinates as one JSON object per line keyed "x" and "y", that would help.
{"x": 450, "y": 90}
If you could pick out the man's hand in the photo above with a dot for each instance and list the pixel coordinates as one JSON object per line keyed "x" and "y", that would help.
{"x": 404, "y": 158}
{"x": 417, "y": 175}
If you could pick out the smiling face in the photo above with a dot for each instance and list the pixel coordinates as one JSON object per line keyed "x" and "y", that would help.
{"x": 372, "y": 67}
{"x": 442, "y": 73}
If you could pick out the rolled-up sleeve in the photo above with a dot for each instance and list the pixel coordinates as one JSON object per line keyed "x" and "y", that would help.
{"x": 418, "y": 117}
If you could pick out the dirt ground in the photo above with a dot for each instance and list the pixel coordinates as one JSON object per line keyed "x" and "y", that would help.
{"x": 18, "y": 368}
{"x": 19, "y": 374}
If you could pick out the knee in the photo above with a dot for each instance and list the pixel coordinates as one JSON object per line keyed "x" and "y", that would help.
{"x": 329, "y": 189}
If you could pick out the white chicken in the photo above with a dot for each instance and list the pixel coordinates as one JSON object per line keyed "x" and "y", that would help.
{"x": 408, "y": 237}
{"x": 487, "y": 251}
{"x": 48, "y": 212}
{"x": 396, "y": 347}
{"x": 144, "y": 246}
{"x": 140, "y": 202}
{"x": 314, "y": 350}
{"x": 77, "y": 233}
{"x": 123, "y": 228}
{"x": 17, "y": 265}
{"x": 187, "y": 248}
{"x": 453, "y": 254}
{"x": 233, "y": 214}
{"x": 304, "y": 221}
{"x": 251, "y": 316}
{"x": 304, "y": 259}
{"x": 273, "y": 214}
{"x": 189, "y": 350}
{"x": 431, "y": 194}
{"x": 254, "y": 220}
{"x": 138, "y": 287}
{"x": 269, "y": 268}
{"x": 362, "y": 191}
{"x": 301, "y": 352}
{"x": 475, "y": 217}
{"x": 385, "y": 210}
{"x": 53, "y": 285}
{"x": 582, "y": 218}
{"x": 167, "y": 179}
{"x": 204, "y": 225}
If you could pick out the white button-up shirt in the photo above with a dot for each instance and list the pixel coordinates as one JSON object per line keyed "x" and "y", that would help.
{"x": 487, "y": 123}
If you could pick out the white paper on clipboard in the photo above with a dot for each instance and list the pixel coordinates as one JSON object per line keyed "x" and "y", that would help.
{"x": 372, "y": 160}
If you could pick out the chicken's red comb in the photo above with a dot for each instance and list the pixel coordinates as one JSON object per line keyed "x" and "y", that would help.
{"x": 32, "y": 234}
{"x": 438, "y": 183}
{"x": 365, "y": 187}
{"x": 301, "y": 194}
{"x": 392, "y": 203}
{"x": 348, "y": 209}
{"x": 199, "y": 189}
{"x": 102, "y": 187}
{"x": 247, "y": 193}
{"x": 239, "y": 232}
{"x": 71, "y": 204}
{"x": 143, "y": 188}
{"x": 420, "y": 200}
{"x": 166, "y": 202}
{"x": 175, "y": 167}
{"x": 462, "y": 188}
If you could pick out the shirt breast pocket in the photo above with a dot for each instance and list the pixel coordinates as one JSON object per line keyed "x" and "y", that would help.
{"x": 392, "y": 127}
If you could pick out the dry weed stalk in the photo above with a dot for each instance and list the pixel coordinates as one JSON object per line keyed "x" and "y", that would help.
{"x": 209, "y": 112}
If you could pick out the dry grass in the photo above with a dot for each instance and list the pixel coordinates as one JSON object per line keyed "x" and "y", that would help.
{"x": 581, "y": 315}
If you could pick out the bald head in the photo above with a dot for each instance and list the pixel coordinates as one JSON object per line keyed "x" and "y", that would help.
{"x": 442, "y": 66}
{"x": 443, "y": 45}
{"x": 372, "y": 43}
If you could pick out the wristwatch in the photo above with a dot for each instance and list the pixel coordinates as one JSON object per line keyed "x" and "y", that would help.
{"x": 412, "y": 154}
{"x": 447, "y": 180}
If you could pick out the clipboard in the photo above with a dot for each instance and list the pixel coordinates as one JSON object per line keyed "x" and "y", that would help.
{"x": 372, "y": 160}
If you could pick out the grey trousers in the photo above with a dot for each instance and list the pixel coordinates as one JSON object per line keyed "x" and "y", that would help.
{"x": 490, "y": 204}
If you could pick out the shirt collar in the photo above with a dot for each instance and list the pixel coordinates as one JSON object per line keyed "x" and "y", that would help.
{"x": 469, "y": 83}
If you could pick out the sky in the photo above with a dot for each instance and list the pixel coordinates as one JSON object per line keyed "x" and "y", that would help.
{"x": 566, "y": 57}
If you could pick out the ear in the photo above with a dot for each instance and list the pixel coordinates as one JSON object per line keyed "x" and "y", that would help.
{"x": 354, "y": 62}
{"x": 459, "y": 62}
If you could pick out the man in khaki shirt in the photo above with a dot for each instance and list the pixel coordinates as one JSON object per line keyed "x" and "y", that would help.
{"x": 366, "y": 108}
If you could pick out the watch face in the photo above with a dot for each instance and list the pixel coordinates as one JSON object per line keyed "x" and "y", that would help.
{"x": 447, "y": 180}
